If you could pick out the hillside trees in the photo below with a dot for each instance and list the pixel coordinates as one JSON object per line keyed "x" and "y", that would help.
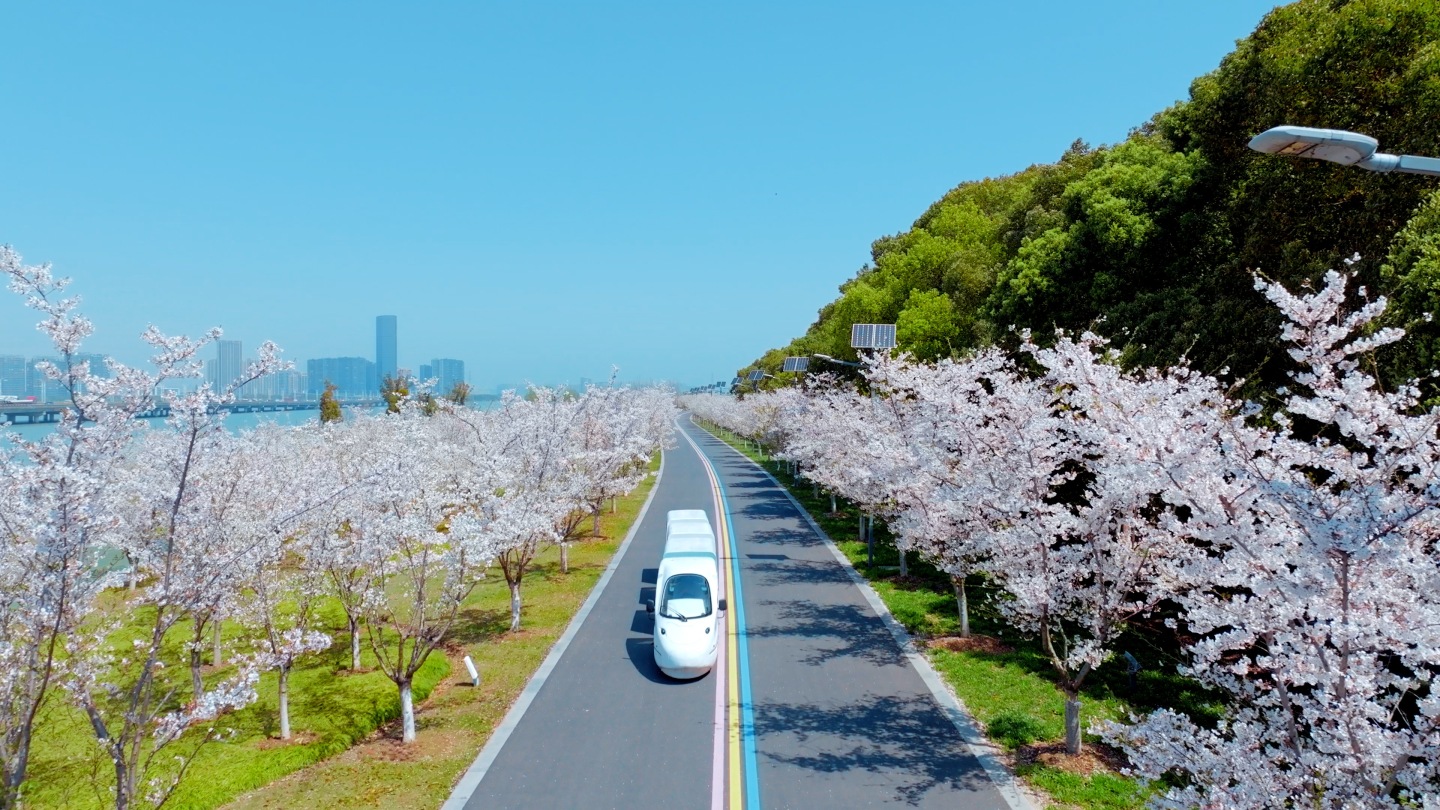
{"x": 1151, "y": 242}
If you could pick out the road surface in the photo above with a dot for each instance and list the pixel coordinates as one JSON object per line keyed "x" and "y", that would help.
{"x": 814, "y": 705}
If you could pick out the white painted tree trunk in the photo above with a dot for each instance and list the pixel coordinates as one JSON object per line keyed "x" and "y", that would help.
{"x": 407, "y": 713}
{"x": 614, "y": 505}
{"x": 565, "y": 557}
{"x": 833, "y": 510}
{"x": 1072, "y": 724}
{"x": 284, "y": 702}
{"x": 963, "y": 601}
{"x": 216, "y": 659}
{"x": 354, "y": 644}
{"x": 904, "y": 564}
{"x": 515, "y": 607}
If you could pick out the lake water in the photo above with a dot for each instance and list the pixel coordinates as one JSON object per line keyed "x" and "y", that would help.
{"x": 234, "y": 422}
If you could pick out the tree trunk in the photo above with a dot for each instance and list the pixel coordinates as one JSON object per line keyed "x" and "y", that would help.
{"x": 216, "y": 659}
{"x": 833, "y": 510}
{"x": 407, "y": 712}
{"x": 595, "y": 524}
{"x": 284, "y": 702}
{"x": 904, "y": 565}
{"x": 614, "y": 504}
{"x": 354, "y": 644}
{"x": 565, "y": 557}
{"x": 197, "y": 686}
{"x": 514, "y": 607}
{"x": 1072, "y": 723}
{"x": 963, "y": 601}
{"x": 124, "y": 785}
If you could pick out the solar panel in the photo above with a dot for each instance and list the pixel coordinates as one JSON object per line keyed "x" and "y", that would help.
{"x": 755, "y": 376}
{"x": 885, "y": 336}
{"x": 862, "y": 335}
{"x": 872, "y": 336}
{"x": 796, "y": 364}
{"x": 734, "y": 382}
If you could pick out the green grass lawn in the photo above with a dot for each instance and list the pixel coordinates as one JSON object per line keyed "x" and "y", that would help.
{"x": 347, "y": 751}
{"x": 1009, "y": 688}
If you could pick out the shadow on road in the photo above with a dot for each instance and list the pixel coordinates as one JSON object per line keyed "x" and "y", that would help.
{"x": 822, "y": 633}
{"x": 907, "y": 741}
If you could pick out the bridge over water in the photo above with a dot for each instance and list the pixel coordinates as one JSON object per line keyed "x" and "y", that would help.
{"x": 31, "y": 413}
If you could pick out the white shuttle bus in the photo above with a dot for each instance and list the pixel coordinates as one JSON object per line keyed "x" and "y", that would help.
{"x": 687, "y": 589}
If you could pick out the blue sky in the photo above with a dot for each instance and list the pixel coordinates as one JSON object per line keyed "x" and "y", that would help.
{"x": 540, "y": 189}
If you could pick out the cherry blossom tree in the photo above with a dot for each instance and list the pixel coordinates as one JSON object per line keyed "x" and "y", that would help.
{"x": 183, "y": 517}
{"x": 433, "y": 509}
{"x": 281, "y": 593}
{"x": 1320, "y": 614}
{"x": 540, "y": 488}
{"x": 65, "y": 533}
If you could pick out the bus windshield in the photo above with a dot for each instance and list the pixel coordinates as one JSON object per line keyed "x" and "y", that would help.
{"x": 685, "y": 596}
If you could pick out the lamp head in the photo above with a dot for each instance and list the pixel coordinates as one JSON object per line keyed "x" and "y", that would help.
{"x": 1335, "y": 145}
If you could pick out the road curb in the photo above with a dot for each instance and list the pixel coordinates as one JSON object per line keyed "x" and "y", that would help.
{"x": 1004, "y": 780}
{"x": 464, "y": 789}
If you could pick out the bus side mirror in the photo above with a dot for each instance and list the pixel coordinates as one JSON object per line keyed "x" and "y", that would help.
{"x": 723, "y": 606}
{"x": 650, "y": 606}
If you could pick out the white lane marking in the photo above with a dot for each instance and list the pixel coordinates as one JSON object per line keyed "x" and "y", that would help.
{"x": 465, "y": 788}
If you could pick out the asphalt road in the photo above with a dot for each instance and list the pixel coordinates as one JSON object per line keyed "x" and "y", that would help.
{"x": 841, "y": 718}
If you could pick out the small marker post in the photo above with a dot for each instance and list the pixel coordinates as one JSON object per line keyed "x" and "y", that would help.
{"x": 474, "y": 673}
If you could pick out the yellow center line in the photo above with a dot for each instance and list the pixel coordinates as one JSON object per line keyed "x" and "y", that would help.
{"x": 736, "y": 789}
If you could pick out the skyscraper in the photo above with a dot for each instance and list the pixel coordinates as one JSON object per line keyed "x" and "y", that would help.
{"x": 353, "y": 377}
{"x": 386, "y": 352}
{"x": 228, "y": 363}
{"x": 447, "y": 372}
{"x": 12, "y": 375}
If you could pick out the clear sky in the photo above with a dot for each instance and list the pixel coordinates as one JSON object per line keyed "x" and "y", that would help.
{"x": 540, "y": 189}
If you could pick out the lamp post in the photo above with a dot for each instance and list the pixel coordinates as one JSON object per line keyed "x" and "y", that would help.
{"x": 827, "y": 358}
{"x": 1340, "y": 146}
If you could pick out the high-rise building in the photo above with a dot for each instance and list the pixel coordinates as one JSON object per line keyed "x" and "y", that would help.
{"x": 353, "y": 377}
{"x": 39, "y": 386}
{"x": 386, "y": 347}
{"x": 229, "y": 363}
{"x": 447, "y": 373}
{"x": 12, "y": 375}
{"x": 426, "y": 372}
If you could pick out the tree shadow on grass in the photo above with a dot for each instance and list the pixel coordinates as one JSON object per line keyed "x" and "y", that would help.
{"x": 476, "y": 625}
{"x": 909, "y": 742}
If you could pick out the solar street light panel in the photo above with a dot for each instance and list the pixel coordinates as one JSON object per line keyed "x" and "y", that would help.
{"x": 796, "y": 364}
{"x": 735, "y": 381}
{"x": 861, "y": 335}
{"x": 884, "y": 336}
{"x": 872, "y": 336}
{"x": 756, "y": 375}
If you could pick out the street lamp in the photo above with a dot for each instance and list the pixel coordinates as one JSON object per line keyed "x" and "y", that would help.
{"x": 1340, "y": 146}
{"x": 827, "y": 358}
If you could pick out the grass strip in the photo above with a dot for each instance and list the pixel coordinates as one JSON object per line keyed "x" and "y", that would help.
{"x": 346, "y": 751}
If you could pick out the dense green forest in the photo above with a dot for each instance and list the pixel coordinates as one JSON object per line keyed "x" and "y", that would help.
{"x": 1153, "y": 241}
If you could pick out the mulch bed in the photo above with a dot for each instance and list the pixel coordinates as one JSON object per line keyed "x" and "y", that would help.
{"x": 1093, "y": 758}
{"x": 976, "y": 643}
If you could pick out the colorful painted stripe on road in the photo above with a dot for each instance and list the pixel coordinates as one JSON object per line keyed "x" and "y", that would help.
{"x": 735, "y": 754}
